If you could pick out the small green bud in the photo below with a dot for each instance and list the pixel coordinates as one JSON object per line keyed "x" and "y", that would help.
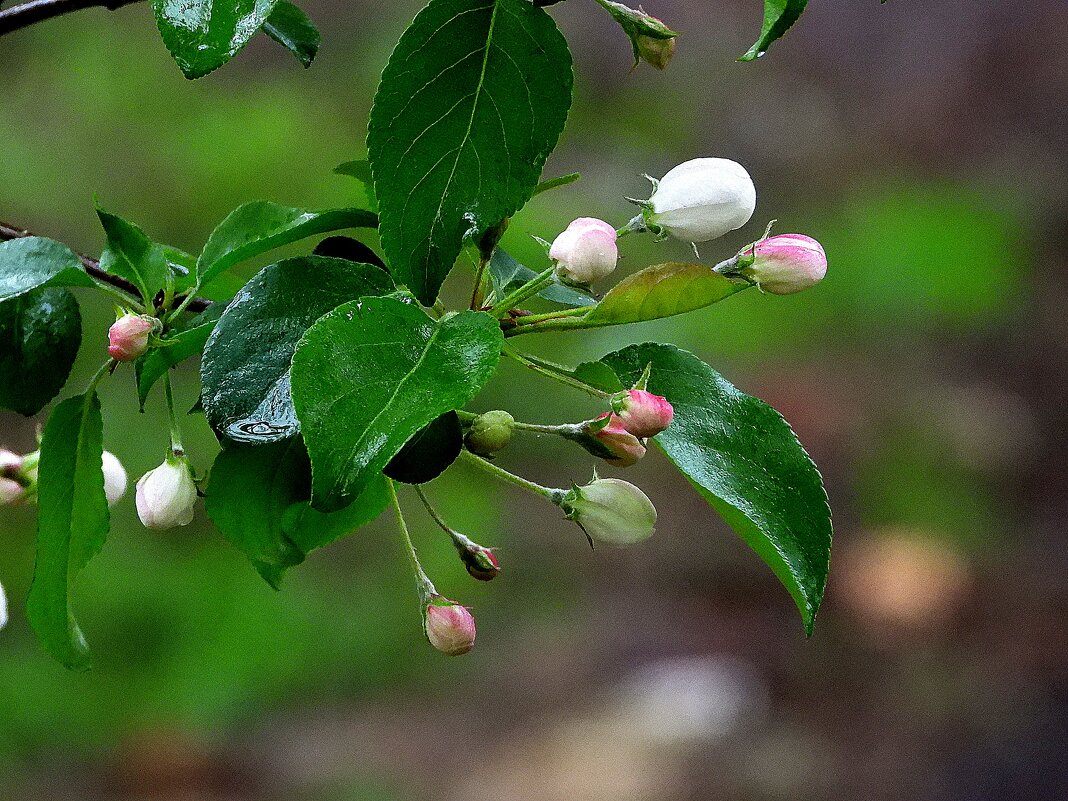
{"x": 490, "y": 432}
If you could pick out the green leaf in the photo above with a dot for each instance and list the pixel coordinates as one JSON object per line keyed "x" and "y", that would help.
{"x": 72, "y": 523}
{"x": 662, "y": 291}
{"x": 260, "y": 226}
{"x": 245, "y": 370}
{"x": 745, "y": 460}
{"x": 33, "y": 261}
{"x": 258, "y": 498}
{"x": 779, "y": 15}
{"x": 429, "y": 453}
{"x": 202, "y": 35}
{"x": 470, "y": 105}
{"x": 180, "y": 346}
{"x": 40, "y": 333}
{"x": 290, "y": 27}
{"x": 130, "y": 254}
{"x": 369, "y": 375}
{"x": 508, "y": 274}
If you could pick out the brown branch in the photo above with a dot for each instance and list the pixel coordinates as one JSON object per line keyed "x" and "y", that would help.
{"x": 92, "y": 266}
{"x": 26, "y": 14}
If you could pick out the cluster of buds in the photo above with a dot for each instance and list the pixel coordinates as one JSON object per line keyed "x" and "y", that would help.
{"x": 129, "y": 336}
{"x": 619, "y": 436}
{"x": 18, "y": 477}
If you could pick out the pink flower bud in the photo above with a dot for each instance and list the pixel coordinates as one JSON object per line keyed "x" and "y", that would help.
{"x": 481, "y": 562}
{"x": 128, "y": 337}
{"x": 785, "y": 263}
{"x": 621, "y": 447}
{"x": 643, "y": 413}
{"x": 449, "y": 627}
{"x": 585, "y": 252}
{"x": 11, "y": 490}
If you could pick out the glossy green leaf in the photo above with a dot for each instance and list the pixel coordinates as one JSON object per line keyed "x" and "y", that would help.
{"x": 746, "y": 462}
{"x": 181, "y": 345}
{"x": 429, "y": 453}
{"x": 258, "y": 498}
{"x": 470, "y": 105}
{"x": 33, "y": 261}
{"x": 290, "y": 27}
{"x": 72, "y": 523}
{"x": 369, "y": 375}
{"x": 779, "y": 16}
{"x": 40, "y": 333}
{"x": 202, "y": 35}
{"x": 260, "y": 226}
{"x": 508, "y": 274}
{"x": 662, "y": 291}
{"x": 245, "y": 370}
{"x": 130, "y": 254}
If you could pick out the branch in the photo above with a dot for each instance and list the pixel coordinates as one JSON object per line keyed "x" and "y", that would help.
{"x": 92, "y": 266}
{"x": 27, "y": 14}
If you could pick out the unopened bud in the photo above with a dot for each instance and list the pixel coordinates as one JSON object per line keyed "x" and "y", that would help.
{"x": 128, "y": 337}
{"x": 480, "y": 561}
{"x": 612, "y": 511}
{"x": 490, "y": 432}
{"x": 3, "y": 607}
{"x": 608, "y": 438}
{"x": 643, "y": 413}
{"x": 651, "y": 38}
{"x": 701, "y": 199}
{"x": 115, "y": 478}
{"x": 11, "y": 491}
{"x": 449, "y": 626}
{"x": 166, "y": 495}
{"x": 585, "y": 251}
{"x": 784, "y": 263}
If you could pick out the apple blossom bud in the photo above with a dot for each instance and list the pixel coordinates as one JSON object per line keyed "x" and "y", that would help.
{"x": 656, "y": 50}
{"x": 114, "y": 478}
{"x": 608, "y": 438}
{"x": 585, "y": 251}
{"x": 612, "y": 511}
{"x": 643, "y": 413}
{"x": 701, "y": 199}
{"x": 784, "y": 263}
{"x": 490, "y": 432}
{"x": 11, "y": 491}
{"x": 128, "y": 337}
{"x": 166, "y": 495}
{"x": 651, "y": 39}
{"x": 3, "y": 607}
{"x": 481, "y": 562}
{"x": 449, "y": 627}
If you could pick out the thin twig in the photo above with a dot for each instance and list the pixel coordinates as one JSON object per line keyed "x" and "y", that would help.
{"x": 26, "y": 14}
{"x": 92, "y": 266}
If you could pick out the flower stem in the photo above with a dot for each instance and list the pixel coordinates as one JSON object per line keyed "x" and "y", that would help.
{"x": 554, "y": 495}
{"x": 555, "y": 372}
{"x": 176, "y": 434}
{"x": 99, "y": 376}
{"x": 423, "y": 582}
{"x": 531, "y": 287}
{"x": 531, "y": 319}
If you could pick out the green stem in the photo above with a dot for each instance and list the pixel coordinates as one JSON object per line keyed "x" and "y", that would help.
{"x": 176, "y": 434}
{"x": 478, "y": 292}
{"x": 554, "y": 495}
{"x": 531, "y": 319}
{"x": 99, "y": 376}
{"x": 555, "y": 372}
{"x": 189, "y": 298}
{"x": 531, "y": 287}
{"x": 120, "y": 297}
{"x": 423, "y": 582}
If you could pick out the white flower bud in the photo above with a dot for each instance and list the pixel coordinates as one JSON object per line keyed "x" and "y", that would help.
{"x": 612, "y": 511}
{"x": 585, "y": 251}
{"x": 166, "y": 495}
{"x": 115, "y": 479}
{"x": 3, "y": 607}
{"x": 702, "y": 199}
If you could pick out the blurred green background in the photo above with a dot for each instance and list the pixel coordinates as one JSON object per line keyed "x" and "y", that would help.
{"x": 923, "y": 144}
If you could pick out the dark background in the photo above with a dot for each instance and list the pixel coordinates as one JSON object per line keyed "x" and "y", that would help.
{"x": 923, "y": 143}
